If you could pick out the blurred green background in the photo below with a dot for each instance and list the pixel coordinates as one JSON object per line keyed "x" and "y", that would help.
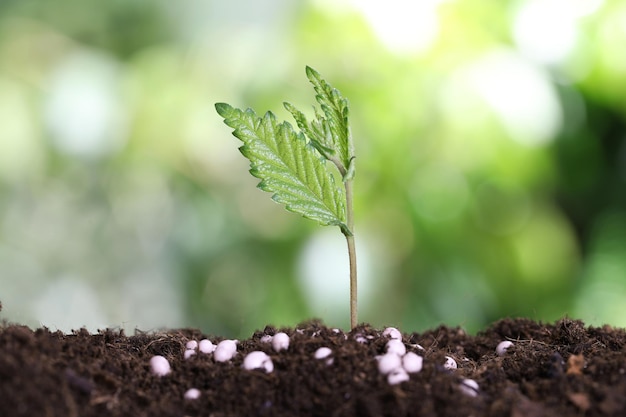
{"x": 491, "y": 170}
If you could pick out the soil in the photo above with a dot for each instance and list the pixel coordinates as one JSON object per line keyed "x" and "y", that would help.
{"x": 560, "y": 369}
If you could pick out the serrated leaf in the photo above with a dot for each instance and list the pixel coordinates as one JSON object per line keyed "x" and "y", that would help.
{"x": 287, "y": 166}
{"x": 334, "y": 122}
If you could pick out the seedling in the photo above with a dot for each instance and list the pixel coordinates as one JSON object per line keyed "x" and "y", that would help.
{"x": 293, "y": 165}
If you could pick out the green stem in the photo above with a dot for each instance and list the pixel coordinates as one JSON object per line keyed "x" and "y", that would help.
{"x": 351, "y": 255}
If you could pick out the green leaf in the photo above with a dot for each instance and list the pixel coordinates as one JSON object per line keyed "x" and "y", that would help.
{"x": 335, "y": 108}
{"x": 287, "y": 166}
{"x": 329, "y": 133}
{"x": 316, "y": 132}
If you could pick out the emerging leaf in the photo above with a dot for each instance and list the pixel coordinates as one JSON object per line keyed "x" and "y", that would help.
{"x": 287, "y": 166}
{"x": 329, "y": 133}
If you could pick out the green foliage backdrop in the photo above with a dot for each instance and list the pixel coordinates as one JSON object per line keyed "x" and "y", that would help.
{"x": 491, "y": 145}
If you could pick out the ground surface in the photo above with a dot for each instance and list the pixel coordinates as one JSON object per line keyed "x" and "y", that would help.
{"x": 562, "y": 369}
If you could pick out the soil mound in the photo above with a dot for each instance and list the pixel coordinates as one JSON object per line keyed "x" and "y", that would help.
{"x": 560, "y": 369}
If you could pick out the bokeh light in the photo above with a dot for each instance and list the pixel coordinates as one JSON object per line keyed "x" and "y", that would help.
{"x": 491, "y": 162}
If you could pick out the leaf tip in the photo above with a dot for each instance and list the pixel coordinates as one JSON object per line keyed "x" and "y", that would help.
{"x": 311, "y": 73}
{"x": 223, "y": 108}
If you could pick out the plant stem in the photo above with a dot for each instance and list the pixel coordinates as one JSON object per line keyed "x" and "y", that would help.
{"x": 351, "y": 255}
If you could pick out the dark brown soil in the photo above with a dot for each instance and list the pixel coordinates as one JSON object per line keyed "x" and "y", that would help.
{"x": 562, "y": 369}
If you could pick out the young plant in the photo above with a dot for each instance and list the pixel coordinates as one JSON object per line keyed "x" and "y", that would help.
{"x": 293, "y": 165}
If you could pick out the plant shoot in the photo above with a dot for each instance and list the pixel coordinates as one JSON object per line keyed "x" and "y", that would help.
{"x": 293, "y": 165}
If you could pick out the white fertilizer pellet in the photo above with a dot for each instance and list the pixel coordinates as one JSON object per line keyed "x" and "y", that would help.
{"x": 192, "y": 344}
{"x": 192, "y": 394}
{"x": 258, "y": 360}
{"x": 388, "y": 363}
{"x": 396, "y": 376}
{"x": 280, "y": 341}
{"x": 412, "y": 362}
{"x": 450, "y": 363}
{"x": 159, "y": 365}
{"x": 503, "y": 347}
{"x": 189, "y": 353}
{"x": 225, "y": 350}
{"x": 266, "y": 338}
{"x": 206, "y": 346}
{"x": 324, "y": 353}
{"x": 469, "y": 387}
{"x": 392, "y": 333}
{"x": 395, "y": 346}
